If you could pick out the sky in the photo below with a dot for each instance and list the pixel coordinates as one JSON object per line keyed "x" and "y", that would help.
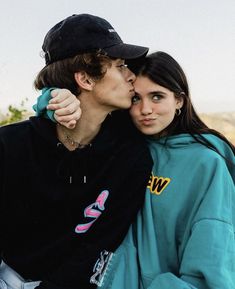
{"x": 199, "y": 34}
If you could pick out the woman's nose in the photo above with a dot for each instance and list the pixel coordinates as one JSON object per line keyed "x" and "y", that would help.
{"x": 146, "y": 108}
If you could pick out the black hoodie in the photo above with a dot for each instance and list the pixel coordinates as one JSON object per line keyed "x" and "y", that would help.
{"x": 54, "y": 226}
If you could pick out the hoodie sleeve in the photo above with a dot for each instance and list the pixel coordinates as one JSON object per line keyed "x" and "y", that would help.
{"x": 208, "y": 260}
{"x": 41, "y": 106}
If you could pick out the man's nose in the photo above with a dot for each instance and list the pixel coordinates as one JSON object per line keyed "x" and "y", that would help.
{"x": 130, "y": 75}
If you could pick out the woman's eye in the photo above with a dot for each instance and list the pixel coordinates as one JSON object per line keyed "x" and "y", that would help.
{"x": 135, "y": 99}
{"x": 156, "y": 97}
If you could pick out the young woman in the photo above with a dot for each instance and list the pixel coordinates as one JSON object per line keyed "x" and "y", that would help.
{"x": 68, "y": 197}
{"x": 183, "y": 238}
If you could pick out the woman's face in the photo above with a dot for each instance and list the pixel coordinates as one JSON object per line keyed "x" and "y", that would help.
{"x": 153, "y": 107}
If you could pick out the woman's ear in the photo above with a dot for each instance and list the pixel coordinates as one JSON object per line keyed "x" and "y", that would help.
{"x": 84, "y": 81}
{"x": 179, "y": 102}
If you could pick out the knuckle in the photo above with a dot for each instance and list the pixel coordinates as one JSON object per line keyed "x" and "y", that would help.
{"x": 69, "y": 110}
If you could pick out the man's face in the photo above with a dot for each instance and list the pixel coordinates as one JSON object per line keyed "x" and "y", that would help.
{"x": 115, "y": 90}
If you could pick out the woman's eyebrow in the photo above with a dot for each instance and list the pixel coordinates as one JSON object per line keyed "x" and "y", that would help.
{"x": 157, "y": 92}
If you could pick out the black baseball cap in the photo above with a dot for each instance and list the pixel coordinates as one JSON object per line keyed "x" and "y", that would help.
{"x": 82, "y": 33}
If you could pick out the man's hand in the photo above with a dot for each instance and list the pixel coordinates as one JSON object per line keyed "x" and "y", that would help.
{"x": 66, "y": 106}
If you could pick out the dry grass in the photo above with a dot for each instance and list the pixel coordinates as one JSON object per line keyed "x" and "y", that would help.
{"x": 223, "y": 122}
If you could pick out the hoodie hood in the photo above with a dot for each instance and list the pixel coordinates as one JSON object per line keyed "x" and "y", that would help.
{"x": 77, "y": 165}
{"x": 176, "y": 143}
{"x": 46, "y": 129}
{"x": 72, "y": 166}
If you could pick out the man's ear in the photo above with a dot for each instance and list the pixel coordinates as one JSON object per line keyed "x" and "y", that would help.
{"x": 84, "y": 81}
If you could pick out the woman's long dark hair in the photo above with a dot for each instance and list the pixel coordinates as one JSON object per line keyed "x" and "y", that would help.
{"x": 164, "y": 70}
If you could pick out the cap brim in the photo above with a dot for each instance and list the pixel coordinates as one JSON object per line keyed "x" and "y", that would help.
{"x": 126, "y": 51}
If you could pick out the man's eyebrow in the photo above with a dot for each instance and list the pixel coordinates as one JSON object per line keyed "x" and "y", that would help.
{"x": 119, "y": 60}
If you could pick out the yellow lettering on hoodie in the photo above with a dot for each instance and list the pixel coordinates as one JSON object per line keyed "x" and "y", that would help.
{"x": 157, "y": 184}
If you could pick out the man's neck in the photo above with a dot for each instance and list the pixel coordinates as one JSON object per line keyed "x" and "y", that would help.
{"x": 86, "y": 128}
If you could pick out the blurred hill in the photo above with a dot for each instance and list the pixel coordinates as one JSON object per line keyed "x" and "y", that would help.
{"x": 223, "y": 122}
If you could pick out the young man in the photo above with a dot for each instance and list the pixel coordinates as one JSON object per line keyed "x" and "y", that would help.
{"x": 69, "y": 196}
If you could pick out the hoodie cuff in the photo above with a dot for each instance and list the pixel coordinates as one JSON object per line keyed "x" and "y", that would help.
{"x": 41, "y": 106}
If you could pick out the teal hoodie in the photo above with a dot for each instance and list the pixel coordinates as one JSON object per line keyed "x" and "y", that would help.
{"x": 183, "y": 237}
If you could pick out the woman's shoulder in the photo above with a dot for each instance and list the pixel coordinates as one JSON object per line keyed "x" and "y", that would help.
{"x": 220, "y": 157}
{"x": 205, "y": 149}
